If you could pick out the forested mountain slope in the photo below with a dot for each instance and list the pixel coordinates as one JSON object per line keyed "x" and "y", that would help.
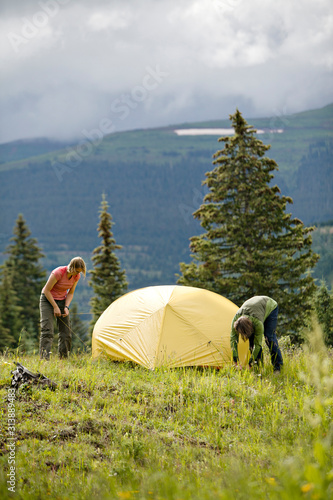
{"x": 152, "y": 181}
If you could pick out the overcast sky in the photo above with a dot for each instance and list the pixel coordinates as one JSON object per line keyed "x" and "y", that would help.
{"x": 70, "y": 66}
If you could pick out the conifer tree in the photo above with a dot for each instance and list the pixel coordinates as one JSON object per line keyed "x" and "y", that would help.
{"x": 26, "y": 276}
{"x": 108, "y": 280}
{"x": 10, "y": 325}
{"x": 251, "y": 245}
{"x": 6, "y": 339}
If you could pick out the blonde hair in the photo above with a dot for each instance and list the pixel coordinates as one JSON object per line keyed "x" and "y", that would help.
{"x": 244, "y": 327}
{"x": 75, "y": 264}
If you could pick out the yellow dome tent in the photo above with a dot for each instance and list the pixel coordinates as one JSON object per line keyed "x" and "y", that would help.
{"x": 168, "y": 325}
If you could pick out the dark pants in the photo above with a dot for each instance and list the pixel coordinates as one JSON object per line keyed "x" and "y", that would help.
{"x": 271, "y": 341}
{"x": 47, "y": 329}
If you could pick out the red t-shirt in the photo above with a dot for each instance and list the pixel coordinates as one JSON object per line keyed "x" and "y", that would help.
{"x": 63, "y": 284}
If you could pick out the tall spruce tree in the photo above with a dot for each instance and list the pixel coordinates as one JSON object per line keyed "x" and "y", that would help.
{"x": 27, "y": 277}
{"x": 251, "y": 245}
{"x": 108, "y": 280}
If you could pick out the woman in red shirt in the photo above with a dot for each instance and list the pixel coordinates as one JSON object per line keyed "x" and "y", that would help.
{"x": 55, "y": 300}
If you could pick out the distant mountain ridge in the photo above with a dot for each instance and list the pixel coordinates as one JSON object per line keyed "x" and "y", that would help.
{"x": 29, "y": 148}
{"x": 152, "y": 180}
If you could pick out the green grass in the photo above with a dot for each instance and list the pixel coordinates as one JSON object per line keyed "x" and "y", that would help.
{"x": 117, "y": 431}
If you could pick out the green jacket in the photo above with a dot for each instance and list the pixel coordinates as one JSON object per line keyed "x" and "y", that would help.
{"x": 257, "y": 309}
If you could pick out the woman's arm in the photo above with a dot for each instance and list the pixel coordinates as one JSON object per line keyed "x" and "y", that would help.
{"x": 69, "y": 298}
{"x": 47, "y": 292}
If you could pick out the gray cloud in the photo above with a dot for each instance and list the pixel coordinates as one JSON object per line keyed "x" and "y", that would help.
{"x": 67, "y": 65}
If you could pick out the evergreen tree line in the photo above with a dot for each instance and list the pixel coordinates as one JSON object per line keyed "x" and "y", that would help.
{"x": 250, "y": 246}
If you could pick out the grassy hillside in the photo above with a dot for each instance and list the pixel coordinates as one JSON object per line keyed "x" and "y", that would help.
{"x": 152, "y": 180}
{"x": 28, "y": 148}
{"x": 117, "y": 431}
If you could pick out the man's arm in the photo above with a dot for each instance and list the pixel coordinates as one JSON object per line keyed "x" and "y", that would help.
{"x": 234, "y": 335}
{"x": 258, "y": 337}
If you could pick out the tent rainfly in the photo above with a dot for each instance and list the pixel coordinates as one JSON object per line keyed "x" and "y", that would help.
{"x": 168, "y": 325}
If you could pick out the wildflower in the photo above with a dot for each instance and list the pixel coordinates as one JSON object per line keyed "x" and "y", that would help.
{"x": 270, "y": 480}
{"x": 124, "y": 495}
{"x": 307, "y": 487}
